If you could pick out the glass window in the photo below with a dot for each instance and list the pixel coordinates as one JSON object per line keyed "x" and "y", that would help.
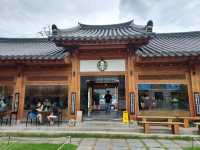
{"x": 163, "y": 99}
{"x": 48, "y": 95}
{"x": 6, "y": 97}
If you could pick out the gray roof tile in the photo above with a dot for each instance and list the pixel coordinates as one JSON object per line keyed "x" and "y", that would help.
{"x": 172, "y": 44}
{"x": 161, "y": 44}
{"x": 127, "y": 30}
{"x": 30, "y": 48}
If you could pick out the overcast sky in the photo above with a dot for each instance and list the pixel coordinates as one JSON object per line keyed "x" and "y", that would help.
{"x": 20, "y": 18}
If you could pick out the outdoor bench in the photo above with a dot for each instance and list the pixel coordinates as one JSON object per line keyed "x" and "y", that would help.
{"x": 173, "y": 125}
{"x": 186, "y": 120}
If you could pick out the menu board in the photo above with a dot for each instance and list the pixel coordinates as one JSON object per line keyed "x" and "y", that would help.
{"x": 132, "y": 103}
{"x": 197, "y": 102}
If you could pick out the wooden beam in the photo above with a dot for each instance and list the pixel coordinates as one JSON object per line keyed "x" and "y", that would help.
{"x": 105, "y": 73}
{"x": 150, "y": 60}
{"x": 30, "y": 61}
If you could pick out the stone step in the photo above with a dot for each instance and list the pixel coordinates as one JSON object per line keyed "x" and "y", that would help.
{"x": 102, "y": 119}
{"x": 104, "y": 124}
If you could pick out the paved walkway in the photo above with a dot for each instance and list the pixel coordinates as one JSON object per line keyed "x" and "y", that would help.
{"x": 103, "y": 127}
{"x": 112, "y": 144}
{"x": 132, "y": 144}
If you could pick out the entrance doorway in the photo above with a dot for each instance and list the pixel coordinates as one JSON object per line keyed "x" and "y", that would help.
{"x": 93, "y": 90}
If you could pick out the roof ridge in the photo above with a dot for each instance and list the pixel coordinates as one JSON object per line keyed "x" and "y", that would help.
{"x": 7, "y": 39}
{"x": 106, "y": 25}
{"x": 173, "y": 33}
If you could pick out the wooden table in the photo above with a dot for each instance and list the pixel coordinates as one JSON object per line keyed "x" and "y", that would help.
{"x": 170, "y": 119}
{"x": 173, "y": 125}
{"x": 146, "y": 118}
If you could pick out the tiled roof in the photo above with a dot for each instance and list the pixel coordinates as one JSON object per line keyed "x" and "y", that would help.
{"x": 161, "y": 45}
{"x": 83, "y": 32}
{"x": 172, "y": 44}
{"x": 30, "y": 48}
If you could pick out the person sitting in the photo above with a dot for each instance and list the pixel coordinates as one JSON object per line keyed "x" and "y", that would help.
{"x": 35, "y": 113}
{"x": 47, "y": 105}
{"x": 53, "y": 114}
{"x": 39, "y": 108}
{"x": 3, "y": 105}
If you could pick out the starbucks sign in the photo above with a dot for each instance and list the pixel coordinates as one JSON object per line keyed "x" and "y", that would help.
{"x": 102, "y": 65}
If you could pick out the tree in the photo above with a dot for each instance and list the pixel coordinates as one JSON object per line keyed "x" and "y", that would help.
{"x": 46, "y": 31}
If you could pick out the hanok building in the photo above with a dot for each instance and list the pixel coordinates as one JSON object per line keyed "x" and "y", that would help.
{"x": 146, "y": 73}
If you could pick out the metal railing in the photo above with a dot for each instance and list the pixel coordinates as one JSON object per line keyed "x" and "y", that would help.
{"x": 195, "y": 142}
{"x": 68, "y": 141}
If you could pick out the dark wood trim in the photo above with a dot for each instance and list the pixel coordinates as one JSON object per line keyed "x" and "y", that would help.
{"x": 107, "y": 73}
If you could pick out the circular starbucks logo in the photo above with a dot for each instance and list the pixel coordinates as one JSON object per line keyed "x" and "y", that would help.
{"x": 102, "y": 65}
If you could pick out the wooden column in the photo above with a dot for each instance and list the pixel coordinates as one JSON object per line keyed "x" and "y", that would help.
{"x": 75, "y": 80}
{"x": 131, "y": 83}
{"x": 20, "y": 88}
{"x": 193, "y": 86}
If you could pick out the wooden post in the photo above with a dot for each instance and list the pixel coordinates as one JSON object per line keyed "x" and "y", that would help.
{"x": 170, "y": 120}
{"x": 131, "y": 83}
{"x": 75, "y": 80}
{"x": 175, "y": 128}
{"x": 146, "y": 127}
{"x": 186, "y": 123}
{"x": 193, "y": 86}
{"x": 20, "y": 88}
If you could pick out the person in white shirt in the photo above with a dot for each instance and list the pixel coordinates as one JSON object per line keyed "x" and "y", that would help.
{"x": 2, "y": 105}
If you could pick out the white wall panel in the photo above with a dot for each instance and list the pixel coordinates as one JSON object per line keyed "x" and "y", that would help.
{"x": 91, "y": 65}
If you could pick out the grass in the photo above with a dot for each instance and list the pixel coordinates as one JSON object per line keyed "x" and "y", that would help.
{"x": 194, "y": 148}
{"x": 90, "y": 135}
{"x": 31, "y": 146}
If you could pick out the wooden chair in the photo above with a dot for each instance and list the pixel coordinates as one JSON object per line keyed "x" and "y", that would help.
{"x": 4, "y": 118}
{"x": 14, "y": 111}
{"x": 58, "y": 119}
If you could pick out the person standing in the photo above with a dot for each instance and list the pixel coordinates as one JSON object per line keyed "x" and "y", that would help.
{"x": 108, "y": 99}
{"x": 96, "y": 100}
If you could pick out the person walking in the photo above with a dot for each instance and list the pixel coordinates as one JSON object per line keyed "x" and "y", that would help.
{"x": 108, "y": 99}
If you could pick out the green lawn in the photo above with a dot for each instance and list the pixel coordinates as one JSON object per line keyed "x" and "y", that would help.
{"x": 23, "y": 146}
{"x": 195, "y": 148}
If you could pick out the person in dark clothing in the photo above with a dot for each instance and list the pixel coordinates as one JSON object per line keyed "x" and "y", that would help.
{"x": 108, "y": 99}
{"x": 96, "y": 100}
